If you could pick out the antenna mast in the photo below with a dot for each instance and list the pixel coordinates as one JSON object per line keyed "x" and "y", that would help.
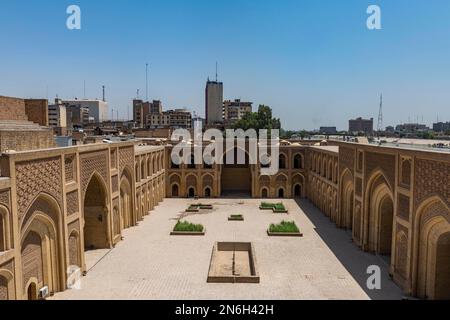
{"x": 380, "y": 115}
{"x": 216, "y": 72}
{"x": 146, "y": 81}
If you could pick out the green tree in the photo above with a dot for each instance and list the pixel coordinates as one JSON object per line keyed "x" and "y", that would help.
{"x": 262, "y": 119}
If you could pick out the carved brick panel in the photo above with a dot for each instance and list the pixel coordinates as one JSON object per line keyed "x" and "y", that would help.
{"x": 34, "y": 177}
{"x": 93, "y": 162}
{"x": 431, "y": 178}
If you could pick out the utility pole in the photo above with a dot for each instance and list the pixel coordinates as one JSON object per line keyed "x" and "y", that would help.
{"x": 146, "y": 81}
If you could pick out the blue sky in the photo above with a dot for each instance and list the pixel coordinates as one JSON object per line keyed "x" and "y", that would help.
{"x": 313, "y": 61}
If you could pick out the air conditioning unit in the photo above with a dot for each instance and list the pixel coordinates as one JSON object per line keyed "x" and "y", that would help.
{"x": 44, "y": 293}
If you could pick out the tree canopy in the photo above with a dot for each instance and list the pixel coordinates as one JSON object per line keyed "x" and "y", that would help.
{"x": 262, "y": 119}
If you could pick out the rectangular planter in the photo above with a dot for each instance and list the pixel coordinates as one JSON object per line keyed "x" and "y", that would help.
{"x": 235, "y": 219}
{"x": 233, "y": 262}
{"x": 188, "y": 233}
{"x": 280, "y": 211}
{"x": 284, "y": 234}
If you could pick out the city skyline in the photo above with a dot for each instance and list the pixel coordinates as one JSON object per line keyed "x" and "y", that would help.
{"x": 315, "y": 60}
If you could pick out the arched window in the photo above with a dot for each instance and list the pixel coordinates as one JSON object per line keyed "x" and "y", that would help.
{"x": 264, "y": 193}
{"x": 175, "y": 190}
{"x": 282, "y": 161}
{"x": 298, "y": 161}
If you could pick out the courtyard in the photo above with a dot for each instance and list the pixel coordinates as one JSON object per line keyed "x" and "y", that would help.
{"x": 151, "y": 264}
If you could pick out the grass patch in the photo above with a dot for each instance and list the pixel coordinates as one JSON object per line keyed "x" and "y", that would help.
{"x": 184, "y": 226}
{"x": 197, "y": 207}
{"x": 276, "y": 207}
{"x": 284, "y": 227}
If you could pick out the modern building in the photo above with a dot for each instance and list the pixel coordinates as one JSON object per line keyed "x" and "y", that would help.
{"x": 360, "y": 125}
{"x": 57, "y": 118}
{"x": 98, "y": 109}
{"x": 234, "y": 111}
{"x": 142, "y": 110}
{"x": 441, "y": 127}
{"x": 328, "y": 130}
{"x": 411, "y": 127}
{"x": 77, "y": 115}
{"x": 178, "y": 118}
{"x": 214, "y": 102}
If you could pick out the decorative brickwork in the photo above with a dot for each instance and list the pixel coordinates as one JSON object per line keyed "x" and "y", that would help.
{"x": 74, "y": 244}
{"x": 405, "y": 172}
{"x": 35, "y": 177}
{"x": 113, "y": 159}
{"x": 4, "y": 198}
{"x": 403, "y": 207}
{"x": 115, "y": 183}
{"x": 93, "y": 162}
{"x": 358, "y": 187}
{"x": 436, "y": 209}
{"x": 401, "y": 258}
{"x": 69, "y": 165}
{"x": 431, "y": 178}
{"x": 72, "y": 203}
{"x": 32, "y": 258}
{"x": 126, "y": 157}
{"x": 385, "y": 162}
{"x": 347, "y": 159}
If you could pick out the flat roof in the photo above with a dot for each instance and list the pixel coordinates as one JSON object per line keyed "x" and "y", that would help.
{"x": 334, "y": 149}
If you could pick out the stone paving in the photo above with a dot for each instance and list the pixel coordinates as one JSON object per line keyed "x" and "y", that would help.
{"x": 151, "y": 264}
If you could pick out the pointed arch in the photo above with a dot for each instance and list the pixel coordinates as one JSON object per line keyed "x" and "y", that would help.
{"x": 431, "y": 248}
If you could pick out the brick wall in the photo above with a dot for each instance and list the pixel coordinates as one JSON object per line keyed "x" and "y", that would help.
{"x": 37, "y": 111}
{"x": 12, "y": 109}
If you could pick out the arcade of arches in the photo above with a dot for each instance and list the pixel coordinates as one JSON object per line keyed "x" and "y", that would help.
{"x": 65, "y": 201}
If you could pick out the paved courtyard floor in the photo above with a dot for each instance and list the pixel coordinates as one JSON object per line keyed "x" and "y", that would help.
{"x": 151, "y": 264}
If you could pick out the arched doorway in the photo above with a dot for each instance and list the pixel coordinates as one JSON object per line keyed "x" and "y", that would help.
{"x": 126, "y": 206}
{"x": 431, "y": 274}
{"x": 32, "y": 292}
{"x": 297, "y": 191}
{"x": 191, "y": 192}
{"x": 207, "y": 192}
{"x": 175, "y": 190}
{"x": 442, "y": 272}
{"x": 386, "y": 220}
{"x": 264, "y": 193}
{"x": 95, "y": 215}
{"x": 40, "y": 247}
{"x": 281, "y": 193}
{"x": 236, "y": 178}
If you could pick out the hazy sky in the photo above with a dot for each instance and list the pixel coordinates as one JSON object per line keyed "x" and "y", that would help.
{"x": 314, "y": 62}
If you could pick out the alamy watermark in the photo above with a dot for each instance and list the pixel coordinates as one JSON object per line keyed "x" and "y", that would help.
{"x": 73, "y": 22}
{"x": 250, "y": 147}
{"x": 374, "y": 20}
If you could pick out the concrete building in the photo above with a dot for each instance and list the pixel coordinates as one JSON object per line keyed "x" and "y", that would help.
{"x": 441, "y": 127}
{"x": 328, "y": 130}
{"x": 57, "y": 118}
{"x": 142, "y": 111}
{"x": 235, "y": 110}
{"x": 77, "y": 115}
{"x": 178, "y": 118}
{"x": 411, "y": 127}
{"x": 360, "y": 125}
{"x": 214, "y": 102}
{"x": 98, "y": 109}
